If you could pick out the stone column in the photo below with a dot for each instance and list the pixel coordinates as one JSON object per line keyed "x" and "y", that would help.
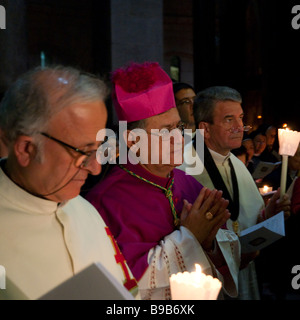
{"x": 136, "y": 31}
{"x": 13, "y": 43}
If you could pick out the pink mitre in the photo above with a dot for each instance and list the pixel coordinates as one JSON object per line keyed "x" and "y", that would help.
{"x": 142, "y": 91}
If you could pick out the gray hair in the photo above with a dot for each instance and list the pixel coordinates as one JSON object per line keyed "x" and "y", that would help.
{"x": 205, "y": 102}
{"x": 36, "y": 96}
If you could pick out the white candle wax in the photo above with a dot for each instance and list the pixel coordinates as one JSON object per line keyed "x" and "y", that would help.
{"x": 288, "y": 141}
{"x": 284, "y": 167}
{"x": 2, "y": 277}
{"x": 194, "y": 286}
{"x": 288, "y": 145}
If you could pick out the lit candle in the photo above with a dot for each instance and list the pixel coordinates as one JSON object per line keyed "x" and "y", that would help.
{"x": 265, "y": 190}
{"x": 288, "y": 145}
{"x": 194, "y": 286}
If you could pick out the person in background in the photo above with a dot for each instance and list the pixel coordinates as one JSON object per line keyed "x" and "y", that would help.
{"x": 218, "y": 111}
{"x": 273, "y": 178}
{"x": 260, "y": 142}
{"x": 293, "y": 228}
{"x": 271, "y": 133}
{"x": 295, "y": 205}
{"x": 248, "y": 144}
{"x": 285, "y": 249}
{"x": 241, "y": 153}
{"x": 3, "y": 148}
{"x": 270, "y": 154}
{"x": 163, "y": 220}
{"x": 50, "y": 118}
{"x": 184, "y": 98}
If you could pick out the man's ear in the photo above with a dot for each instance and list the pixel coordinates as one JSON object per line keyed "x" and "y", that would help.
{"x": 205, "y": 126}
{"x": 25, "y": 150}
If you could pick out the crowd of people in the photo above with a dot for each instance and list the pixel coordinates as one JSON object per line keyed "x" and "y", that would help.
{"x": 144, "y": 218}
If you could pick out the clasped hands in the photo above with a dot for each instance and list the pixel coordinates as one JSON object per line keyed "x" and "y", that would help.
{"x": 205, "y": 216}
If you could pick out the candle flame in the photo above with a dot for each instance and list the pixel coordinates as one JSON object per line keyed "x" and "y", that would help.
{"x": 198, "y": 268}
{"x": 194, "y": 285}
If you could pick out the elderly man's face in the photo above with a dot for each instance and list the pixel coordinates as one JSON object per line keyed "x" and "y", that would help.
{"x": 226, "y": 131}
{"x": 58, "y": 176}
{"x": 170, "y": 149}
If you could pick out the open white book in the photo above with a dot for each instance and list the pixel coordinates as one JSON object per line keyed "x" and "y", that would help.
{"x": 263, "y": 168}
{"x": 92, "y": 283}
{"x": 263, "y": 234}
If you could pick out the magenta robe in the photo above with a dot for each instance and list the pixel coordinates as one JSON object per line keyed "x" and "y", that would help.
{"x": 139, "y": 214}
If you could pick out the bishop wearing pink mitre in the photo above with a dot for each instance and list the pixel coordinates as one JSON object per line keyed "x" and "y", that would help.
{"x": 160, "y": 218}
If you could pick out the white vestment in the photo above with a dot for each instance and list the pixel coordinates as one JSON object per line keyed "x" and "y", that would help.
{"x": 250, "y": 200}
{"x": 43, "y": 244}
{"x": 178, "y": 252}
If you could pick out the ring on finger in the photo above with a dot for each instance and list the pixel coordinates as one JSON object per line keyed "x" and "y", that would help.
{"x": 209, "y": 215}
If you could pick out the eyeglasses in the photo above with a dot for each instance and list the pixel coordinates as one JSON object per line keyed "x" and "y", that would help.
{"x": 83, "y": 160}
{"x": 186, "y": 101}
{"x": 166, "y": 134}
{"x": 233, "y": 129}
{"x": 239, "y": 129}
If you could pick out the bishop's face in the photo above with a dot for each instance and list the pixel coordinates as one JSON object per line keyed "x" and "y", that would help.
{"x": 166, "y": 148}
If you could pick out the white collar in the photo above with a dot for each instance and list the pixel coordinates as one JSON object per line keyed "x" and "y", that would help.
{"x": 219, "y": 158}
{"x": 24, "y": 200}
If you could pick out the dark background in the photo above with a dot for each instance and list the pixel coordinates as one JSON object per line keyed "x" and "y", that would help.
{"x": 247, "y": 44}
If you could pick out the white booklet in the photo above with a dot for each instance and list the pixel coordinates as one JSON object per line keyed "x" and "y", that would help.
{"x": 263, "y": 168}
{"x": 263, "y": 234}
{"x": 92, "y": 283}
